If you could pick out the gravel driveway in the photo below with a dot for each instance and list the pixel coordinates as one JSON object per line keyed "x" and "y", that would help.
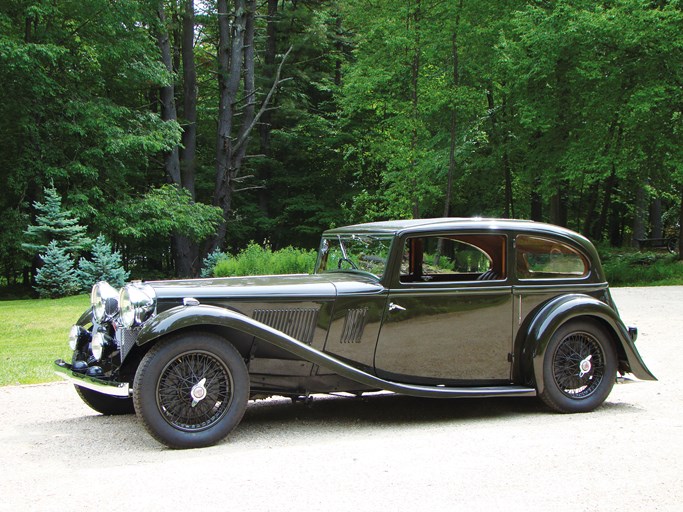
{"x": 380, "y": 453}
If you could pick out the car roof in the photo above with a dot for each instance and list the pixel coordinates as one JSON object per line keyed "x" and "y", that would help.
{"x": 447, "y": 223}
{"x": 399, "y": 227}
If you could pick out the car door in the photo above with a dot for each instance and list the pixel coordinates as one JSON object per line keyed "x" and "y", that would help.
{"x": 449, "y": 317}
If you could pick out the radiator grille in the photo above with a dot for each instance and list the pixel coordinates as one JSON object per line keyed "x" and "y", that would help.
{"x": 298, "y": 323}
{"x": 125, "y": 339}
{"x": 354, "y": 324}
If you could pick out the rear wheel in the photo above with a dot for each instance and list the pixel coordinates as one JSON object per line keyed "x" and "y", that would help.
{"x": 579, "y": 367}
{"x": 191, "y": 390}
{"x": 105, "y": 404}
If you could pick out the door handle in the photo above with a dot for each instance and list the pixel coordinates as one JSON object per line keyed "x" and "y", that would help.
{"x": 395, "y": 307}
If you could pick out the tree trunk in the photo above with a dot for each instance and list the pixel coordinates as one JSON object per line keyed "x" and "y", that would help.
{"x": 610, "y": 184}
{"x": 266, "y": 125}
{"x": 230, "y": 54}
{"x": 235, "y": 60}
{"x": 188, "y": 155}
{"x": 639, "y": 216}
{"x": 414, "y": 20}
{"x": 657, "y": 229}
{"x": 167, "y": 96}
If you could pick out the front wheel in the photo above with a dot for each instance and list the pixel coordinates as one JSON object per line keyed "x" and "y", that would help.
{"x": 579, "y": 367}
{"x": 191, "y": 390}
{"x": 105, "y": 404}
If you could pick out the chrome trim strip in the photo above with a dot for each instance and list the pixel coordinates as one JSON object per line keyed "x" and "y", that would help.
{"x": 120, "y": 389}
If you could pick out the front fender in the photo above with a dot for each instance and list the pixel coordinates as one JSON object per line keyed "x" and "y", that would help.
{"x": 560, "y": 310}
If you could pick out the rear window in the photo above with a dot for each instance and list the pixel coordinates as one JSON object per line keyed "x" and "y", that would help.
{"x": 544, "y": 258}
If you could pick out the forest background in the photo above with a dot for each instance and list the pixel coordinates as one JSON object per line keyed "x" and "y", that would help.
{"x": 178, "y": 127}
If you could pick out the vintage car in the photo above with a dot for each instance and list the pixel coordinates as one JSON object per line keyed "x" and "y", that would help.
{"x": 441, "y": 308}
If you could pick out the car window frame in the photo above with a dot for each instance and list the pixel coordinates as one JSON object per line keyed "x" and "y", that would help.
{"x": 559, "y": 278}
{"x": 395, "y": 281}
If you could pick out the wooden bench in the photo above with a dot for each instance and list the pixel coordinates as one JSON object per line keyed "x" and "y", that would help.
{"x": 670, "y": 243}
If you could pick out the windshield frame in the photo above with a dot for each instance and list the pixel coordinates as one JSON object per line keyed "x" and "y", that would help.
{"x": 349, "y": 247}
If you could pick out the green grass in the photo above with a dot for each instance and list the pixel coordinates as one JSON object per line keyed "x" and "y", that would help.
{"x": 642, "y": 268}
{"x": 33, "y": 333}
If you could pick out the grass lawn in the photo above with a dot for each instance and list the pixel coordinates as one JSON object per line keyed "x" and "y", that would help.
{"x": 33, "y": 333}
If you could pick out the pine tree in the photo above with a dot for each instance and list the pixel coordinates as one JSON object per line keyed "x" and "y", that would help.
{"x": 54, "y": 224}
{"x": 57, "y": 277}
{"x": 105, "y": 265}
{"x": 211, "y": 260}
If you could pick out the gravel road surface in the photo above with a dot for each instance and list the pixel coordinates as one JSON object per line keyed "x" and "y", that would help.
{"x": 379, "y": 453}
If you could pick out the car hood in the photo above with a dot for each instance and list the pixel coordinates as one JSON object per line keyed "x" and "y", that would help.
{"x": 280, "y": 286}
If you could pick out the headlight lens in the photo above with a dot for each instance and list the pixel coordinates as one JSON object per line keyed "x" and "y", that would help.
{"x": 138, "y": 302}
{"x": 97, "y": 345}
{"x": 105, "y": 301}
{"x": 78, "y": 336}
{"x": 101, "y": 344}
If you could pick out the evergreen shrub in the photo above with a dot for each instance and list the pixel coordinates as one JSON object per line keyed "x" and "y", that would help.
{"x": 212, "y": 259}
{"x": 106, "y": 265}
{"x": 257, "y": 260}
{"x": 57, "y": 277}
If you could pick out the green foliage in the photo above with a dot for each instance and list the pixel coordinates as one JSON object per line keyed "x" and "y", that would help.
{"x": 642, "y": 269}
{"x": 256, "y": 260}
{"x": 57, "y": 277}
{"x": 54, "y": 224}
{"x": 212, "y": 259}
{"x": 105, "y": 265}
{"x": 567, "y": 111}
{"x": 165, "y": 211}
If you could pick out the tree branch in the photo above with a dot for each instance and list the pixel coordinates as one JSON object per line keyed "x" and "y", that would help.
{"x": 245, "y": 135}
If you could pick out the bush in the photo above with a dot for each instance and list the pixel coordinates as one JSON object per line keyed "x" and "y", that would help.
{"x": 642, "y": 269}
{"x": 106, "y": 266}
{"x": 256, "y": 260}
{"x": 212, "y": 259}
{"x": 57, "y": 277}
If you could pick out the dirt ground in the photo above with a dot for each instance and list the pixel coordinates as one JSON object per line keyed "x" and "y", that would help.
{"x": 375, "y": 453}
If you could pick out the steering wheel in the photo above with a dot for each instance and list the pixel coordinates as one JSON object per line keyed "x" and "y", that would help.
{"x": 347, "y": 260}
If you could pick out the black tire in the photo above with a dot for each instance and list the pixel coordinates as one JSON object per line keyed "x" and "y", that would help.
{"x": 200, "y": 369}
{"x": 579, "y": 367}
{"x": 105, "y": 404}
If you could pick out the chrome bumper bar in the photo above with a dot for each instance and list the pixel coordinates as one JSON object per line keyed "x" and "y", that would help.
{"x": 65, "y": 371}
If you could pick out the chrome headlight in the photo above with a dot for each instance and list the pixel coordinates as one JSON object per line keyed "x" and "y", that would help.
{"x": 138, "y": 302}
{"x": 78, "y": 336}
{"x": 100, "y": 344}
{"x": 105, "y": 301}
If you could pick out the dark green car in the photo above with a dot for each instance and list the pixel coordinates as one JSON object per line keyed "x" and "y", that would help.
{"x": 442, "y": 308}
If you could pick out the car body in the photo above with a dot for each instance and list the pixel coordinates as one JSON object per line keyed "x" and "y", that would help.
{"x": 443, "y": 308}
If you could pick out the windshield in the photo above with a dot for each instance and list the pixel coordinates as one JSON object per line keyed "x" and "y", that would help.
{"x": 362, "y": 253}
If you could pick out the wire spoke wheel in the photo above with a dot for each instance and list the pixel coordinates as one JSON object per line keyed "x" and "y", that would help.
{"x": 191, "y": 390}
{"x": 175, "y": 391}
{"x": 578, "y": 365}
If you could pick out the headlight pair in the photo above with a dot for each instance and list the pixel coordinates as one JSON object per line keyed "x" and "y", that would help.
{"x": 135, "y": 303}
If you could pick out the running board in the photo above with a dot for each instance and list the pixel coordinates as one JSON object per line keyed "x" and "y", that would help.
{"x": 453, "y": 392}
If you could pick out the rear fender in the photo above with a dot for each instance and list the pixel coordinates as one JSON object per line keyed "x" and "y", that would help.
{"x": 562, "y": 309}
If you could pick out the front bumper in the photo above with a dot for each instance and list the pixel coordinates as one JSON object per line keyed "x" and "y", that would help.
{"x": 65, "y": 370}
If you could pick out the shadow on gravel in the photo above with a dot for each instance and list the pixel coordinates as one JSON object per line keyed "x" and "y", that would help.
{"x": 387, "y": 409}
{"x": 323, "y": 415}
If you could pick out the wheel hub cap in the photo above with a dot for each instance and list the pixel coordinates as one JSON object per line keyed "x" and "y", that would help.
{"x": 198, "y": 392}
{"x": 585, "y": 366}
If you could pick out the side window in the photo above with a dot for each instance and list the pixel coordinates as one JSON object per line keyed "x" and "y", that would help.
{"x": 543, "y": 258}
{"x": 453, "y": 257}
